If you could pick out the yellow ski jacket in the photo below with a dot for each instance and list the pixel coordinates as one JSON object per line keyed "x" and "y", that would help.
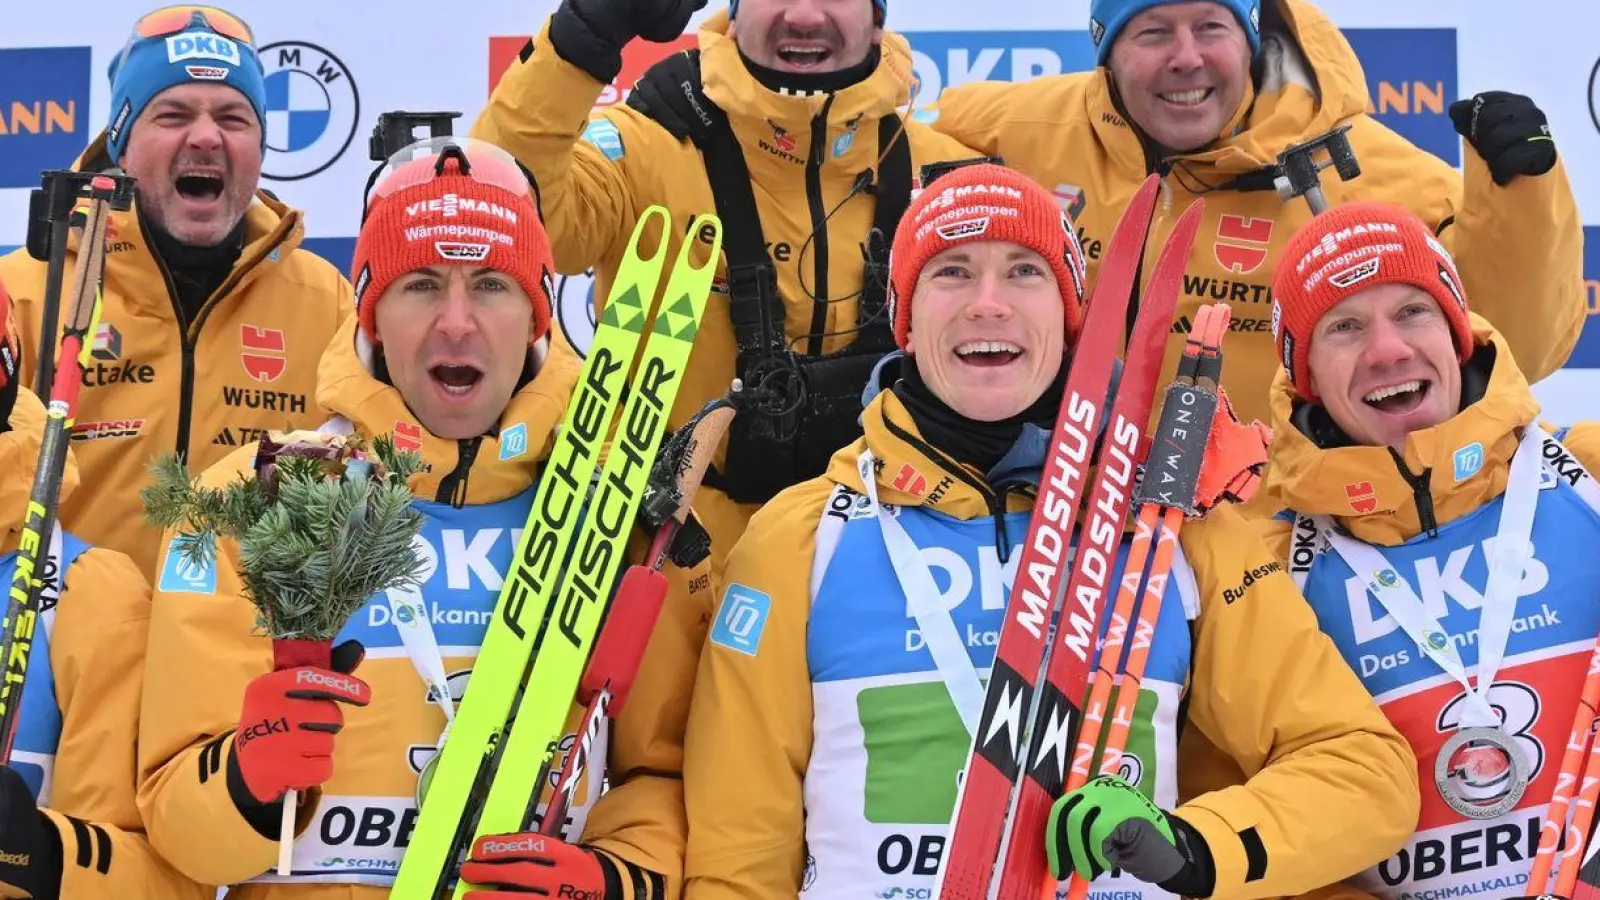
{"x": 1519, "y": 247}
{"x": 246, "y": 364}
{"x": 97, "y": 625}
{"x": 353, "y": 832}
{"x": 824, "y": 749}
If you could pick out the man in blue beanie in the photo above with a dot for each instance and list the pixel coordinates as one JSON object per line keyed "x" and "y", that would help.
{"x": 213, "y": 317}
{"x": 1208, "y": 93}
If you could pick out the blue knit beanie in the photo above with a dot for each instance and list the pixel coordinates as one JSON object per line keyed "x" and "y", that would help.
{"x": 201, "y": 55}
{"x": 1106, "y": 18}
{"x": 882, "y": 5}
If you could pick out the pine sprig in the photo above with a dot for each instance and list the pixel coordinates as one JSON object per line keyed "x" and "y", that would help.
{"x": 321, "y": 528}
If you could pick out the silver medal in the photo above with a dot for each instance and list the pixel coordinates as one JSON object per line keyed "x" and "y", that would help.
{"x": 1480, "y": 773}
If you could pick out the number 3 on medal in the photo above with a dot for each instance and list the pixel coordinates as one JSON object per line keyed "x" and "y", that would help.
{"x": 1519, "y": 708}
{"x": 1482, "y": 773}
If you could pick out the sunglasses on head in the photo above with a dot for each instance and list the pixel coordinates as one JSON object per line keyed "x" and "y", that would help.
{"x": 176, "y": 19}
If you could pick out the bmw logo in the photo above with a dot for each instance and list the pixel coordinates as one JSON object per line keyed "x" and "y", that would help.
{"x": 312, "y": 110}
{"x": 575, "y": 310}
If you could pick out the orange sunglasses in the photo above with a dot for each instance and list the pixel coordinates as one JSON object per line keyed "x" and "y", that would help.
{"x": 175, "y": 19}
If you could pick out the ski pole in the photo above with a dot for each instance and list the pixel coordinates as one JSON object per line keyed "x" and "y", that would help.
{"x": 1166, "y": 496}
{"x": 22, "y": 608}
{"x": 49, "y": 225}
{"x": 619, "y": 650}
{"x": 1555, "y": 817}
{"x": 1024, "y": 874}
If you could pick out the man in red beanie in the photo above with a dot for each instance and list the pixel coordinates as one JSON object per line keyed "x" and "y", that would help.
{"x": 448, "y": 355}
{"x": 836, "y": 699}
{"x": 1441, "y": 535}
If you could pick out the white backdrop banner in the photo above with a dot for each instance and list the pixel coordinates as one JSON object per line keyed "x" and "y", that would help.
{"x": 332, "y": 67}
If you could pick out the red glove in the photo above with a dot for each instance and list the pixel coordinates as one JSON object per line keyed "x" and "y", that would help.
{"x": 1236, "y": 454}
{"x": 286, "y": 729}
{"x": 516, "y": 865}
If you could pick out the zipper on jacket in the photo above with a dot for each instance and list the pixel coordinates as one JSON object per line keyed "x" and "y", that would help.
{"x": 453, "y": 487}
{"x": 1420, "y": 493}
{"x": 186, "y": 346}
{"x": 819, "y": 229}
{"x": 994, "y": 500}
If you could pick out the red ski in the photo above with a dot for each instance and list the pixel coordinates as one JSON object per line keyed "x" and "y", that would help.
{"x": 986, "y": 790}
{"x": 1023, "y": 872}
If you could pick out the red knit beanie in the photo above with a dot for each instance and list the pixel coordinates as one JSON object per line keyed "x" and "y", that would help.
{"x": 1349, "y": 249}
{"x": 984, "y": 202}
{"x": 428, "y": 212}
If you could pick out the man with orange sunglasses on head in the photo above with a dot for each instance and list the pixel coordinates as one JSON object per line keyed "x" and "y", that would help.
{"x": 213, "y": 317}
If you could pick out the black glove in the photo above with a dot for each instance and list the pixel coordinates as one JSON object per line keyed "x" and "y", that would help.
{"x": 590, "y": 34}
{"x": 30, "y": 849}
{"x": 1509, "y": 131}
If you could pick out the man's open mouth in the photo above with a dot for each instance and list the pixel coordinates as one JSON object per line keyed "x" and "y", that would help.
{"x": 200, "y": 186}
{"x": 1191, "y": 97}
{"x": 988, "y": 353}
{"x": 456, "y": 379}
{"x": 1399, "y": 398}
{"x": 804, "y": 54}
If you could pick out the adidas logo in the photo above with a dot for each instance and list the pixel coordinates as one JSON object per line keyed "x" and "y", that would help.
{"x": 224, "y": 438}
{"x": 1182, "y": 326}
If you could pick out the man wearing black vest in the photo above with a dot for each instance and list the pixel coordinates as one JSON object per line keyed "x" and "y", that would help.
{"x": 787, "y": 122}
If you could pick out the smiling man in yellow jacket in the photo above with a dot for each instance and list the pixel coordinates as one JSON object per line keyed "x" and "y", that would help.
{"x": 212, "y": 317}
{"x": 1209, "y": 93}
{"x": 799, "y": 105}
{"x": 69, "y": 826}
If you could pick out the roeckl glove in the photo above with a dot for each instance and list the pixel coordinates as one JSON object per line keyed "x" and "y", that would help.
{"x": 286, "y": 730}
{"x": 1108, "y": 824}
{"x": 30, "y": 848}
{"x": 1509, "y": 131}
{"x": 590, "y": 34}
{"x": 511, "y": 866}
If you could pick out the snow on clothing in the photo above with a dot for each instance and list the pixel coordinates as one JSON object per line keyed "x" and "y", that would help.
{"x": 246, "y": 364}
{"x": 1556, "y": 614}
{"x": 597, "y": 175}
{"x": 354, "y": 830}
{"x": 1519, "y": 247}
{"x": 820, "y": 724}
{"x": 80, "y": 705}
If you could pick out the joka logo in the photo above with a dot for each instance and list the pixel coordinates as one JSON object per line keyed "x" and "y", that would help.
{"x": 408, "y": 436}
{"x": 910, "y": 481}
{"x": 312, "y": 110}
{"x": 44, "y": 110}
{"x": 262, "y": 351}
{"x": 1241, "y": 245}
{"x": 637, "y": 57}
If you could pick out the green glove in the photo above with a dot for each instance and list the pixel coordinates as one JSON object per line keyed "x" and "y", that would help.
{"x": 1107, "y": 824}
